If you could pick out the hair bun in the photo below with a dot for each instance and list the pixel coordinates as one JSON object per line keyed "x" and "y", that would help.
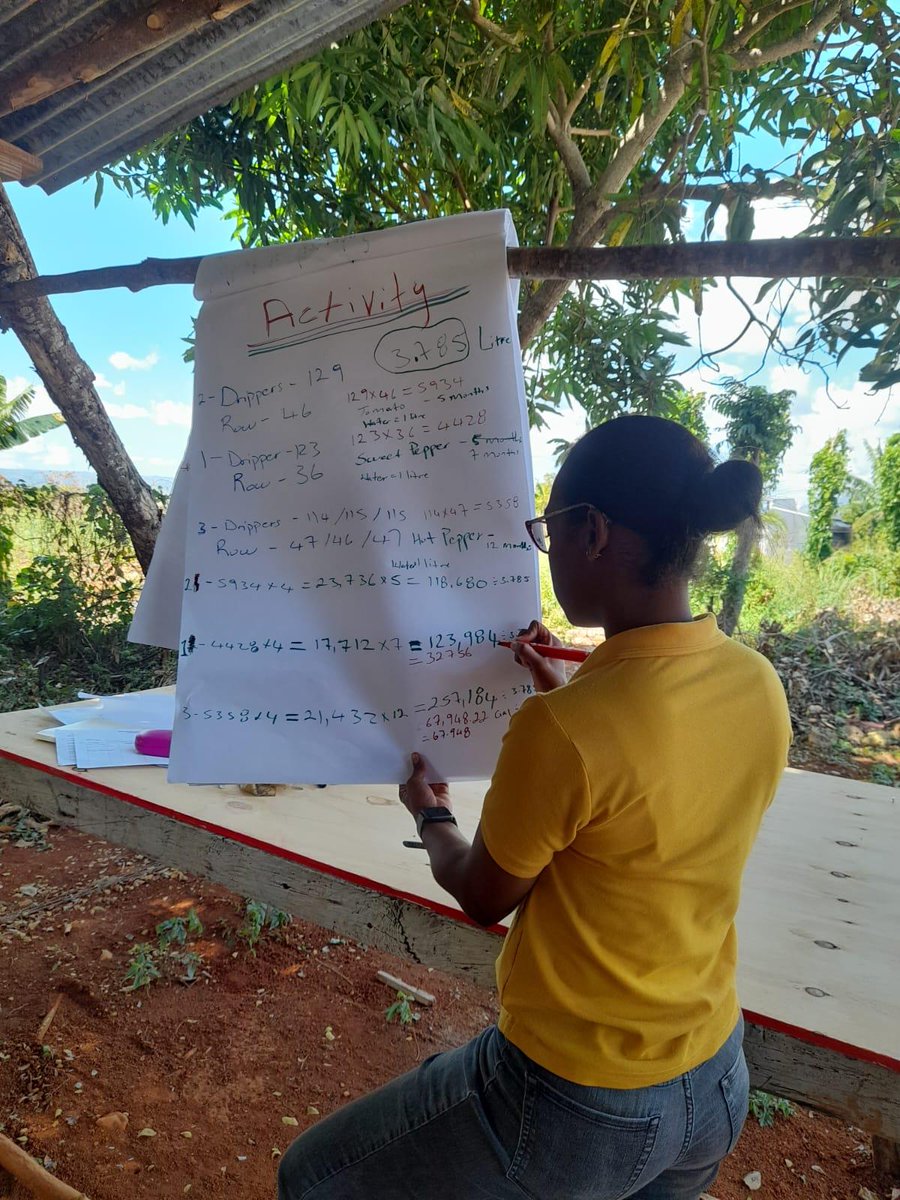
{"x": 724, "y": 497}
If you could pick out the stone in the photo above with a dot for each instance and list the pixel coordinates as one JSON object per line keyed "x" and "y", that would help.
{"x": 113, "y": 1122}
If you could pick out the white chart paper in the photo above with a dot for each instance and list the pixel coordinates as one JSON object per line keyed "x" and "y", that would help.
{"x": 359, "y": 477}
{"x": 157, "y": 619}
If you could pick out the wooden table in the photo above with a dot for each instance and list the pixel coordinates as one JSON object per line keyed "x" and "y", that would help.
{"x": 818, "y": 920}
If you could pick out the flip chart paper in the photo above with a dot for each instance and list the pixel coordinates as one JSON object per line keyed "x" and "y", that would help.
{"x": 358, "y": 481}
{"x": 157, "y": 619}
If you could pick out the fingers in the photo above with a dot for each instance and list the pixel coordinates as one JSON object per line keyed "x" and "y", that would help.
{"x": 525, "y": 656}
{"x": 536, "y": 632}
{"x": 420, "y": 772}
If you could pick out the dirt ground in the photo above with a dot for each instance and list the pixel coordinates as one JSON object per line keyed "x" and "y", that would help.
{"x": 215, "y": 1077}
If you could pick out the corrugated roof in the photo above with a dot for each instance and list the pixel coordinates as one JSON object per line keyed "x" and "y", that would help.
{"x": 90, "y": 124}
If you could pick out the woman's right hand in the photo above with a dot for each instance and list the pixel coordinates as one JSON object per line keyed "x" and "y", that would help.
{"x": 546, "y": 673}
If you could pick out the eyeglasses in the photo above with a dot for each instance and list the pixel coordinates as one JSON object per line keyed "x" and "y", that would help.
{"x": 539, "y": 529}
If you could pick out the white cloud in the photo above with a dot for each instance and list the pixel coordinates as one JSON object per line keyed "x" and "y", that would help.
{"x": 163, "y": 413}
{"x": 163, "y": 466}
{"x": 126, "y": 412}
{"x": 866, "y": 418}
{"x": 170, "y": 412}
{"x": 774, "y": 219}
{"x": 123, "y": 361}
{"x": 38, "y": 455}
{"x": 104, "y": 384}
{"x": 788, "y": 377}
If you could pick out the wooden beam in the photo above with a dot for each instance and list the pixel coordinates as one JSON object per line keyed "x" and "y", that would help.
{"x": 862, "y": 1092}
{"x": 157, "y": 25}
{"x": 774, "y": 258}
{"x": 16, "y": 164}
{"x": 770, "y": 258}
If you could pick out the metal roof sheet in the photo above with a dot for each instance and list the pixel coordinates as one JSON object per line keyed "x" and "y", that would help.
{"x": 88, "y": 125}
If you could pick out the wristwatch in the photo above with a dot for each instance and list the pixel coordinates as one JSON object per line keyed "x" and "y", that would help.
{"x": 433, "y": 816}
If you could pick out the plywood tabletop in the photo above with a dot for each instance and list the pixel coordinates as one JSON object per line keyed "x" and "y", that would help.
{"x": 818, "y": 919}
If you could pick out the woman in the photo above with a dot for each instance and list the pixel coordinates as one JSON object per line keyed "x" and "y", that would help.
{"x": 619, "y": 819}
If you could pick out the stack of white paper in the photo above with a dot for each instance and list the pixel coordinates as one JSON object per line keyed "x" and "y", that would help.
{"x": 102, "y": 733}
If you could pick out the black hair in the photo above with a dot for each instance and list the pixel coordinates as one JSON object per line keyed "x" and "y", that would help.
{"x": 654, "y": 477}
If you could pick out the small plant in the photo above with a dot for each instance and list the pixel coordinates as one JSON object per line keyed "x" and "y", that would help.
{"x": 175, "y": 931}
{"x": 258, "y": 917}
{"x": 401, "y": 1010}
{"x": 190, "y": 961}
{"x": 142, "y": 968}
{"x": 768, "y": 1108}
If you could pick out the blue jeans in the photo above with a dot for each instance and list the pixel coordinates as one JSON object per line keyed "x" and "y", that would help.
{"x": 484, "y": 1122}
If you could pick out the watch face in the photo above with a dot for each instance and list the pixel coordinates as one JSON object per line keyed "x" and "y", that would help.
{"x": 429, "y": 816}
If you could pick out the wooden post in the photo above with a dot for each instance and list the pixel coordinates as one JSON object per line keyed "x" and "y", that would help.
{"x": 17, "y": 164}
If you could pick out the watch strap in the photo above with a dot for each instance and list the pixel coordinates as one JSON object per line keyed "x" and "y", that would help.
{"x": 433, "y": 816}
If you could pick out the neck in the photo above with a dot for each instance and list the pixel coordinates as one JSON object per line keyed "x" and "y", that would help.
{"x": 637, "y": 606}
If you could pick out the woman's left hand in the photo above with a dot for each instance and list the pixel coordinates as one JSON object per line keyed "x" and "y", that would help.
{"x": 417, "y": 794}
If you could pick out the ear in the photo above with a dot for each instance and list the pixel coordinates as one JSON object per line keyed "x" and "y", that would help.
{"x": 597, "y": 534}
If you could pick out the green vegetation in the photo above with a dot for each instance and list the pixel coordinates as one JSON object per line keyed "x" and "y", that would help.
{"x": 829, "y": 475}
{"x": 594, "y": 123}
{"x": 401, "y": 1010}
{"x": 15, "y": 427}
{"x": 142, "y": 968}
{"x": 768, "y": 1108}
{"x": 170, "y": 957}
{"x": 757, "y": 428}
{"x": 68, "y": 587}
{"x": 887, "y": 478}
{"x": 258, "y": 917}
{"x": 176, "y": 930}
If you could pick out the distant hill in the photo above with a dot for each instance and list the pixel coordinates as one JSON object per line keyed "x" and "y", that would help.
{"x": 69, "y": 479}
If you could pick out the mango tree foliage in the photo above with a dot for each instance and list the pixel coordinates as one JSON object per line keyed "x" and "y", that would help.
{"x": 595, "y": 123}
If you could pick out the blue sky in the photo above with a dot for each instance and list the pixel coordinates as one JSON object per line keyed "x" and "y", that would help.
{"x": 133, "y": 341}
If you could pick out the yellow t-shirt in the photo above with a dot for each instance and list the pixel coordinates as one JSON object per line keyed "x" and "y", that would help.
{"x": 634, "y": 793}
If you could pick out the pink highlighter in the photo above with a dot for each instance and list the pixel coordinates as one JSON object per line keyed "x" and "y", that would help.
{"x": 155, "y": 743}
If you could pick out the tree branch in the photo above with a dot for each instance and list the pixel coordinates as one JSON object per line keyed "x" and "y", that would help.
{"x": 577, "y": 96}
{"x": 489, "y": 28}
{"x": 569, "y": 153}
{"x": 757, "y": 21}
{"x": 598, "y": 200}
{"x": 867, "y": 258}
{"x": 70, "y": 383}
{"x": 747, "y": 60}
{"x": 768, "y": 190}
{"x": 634, "y": 142}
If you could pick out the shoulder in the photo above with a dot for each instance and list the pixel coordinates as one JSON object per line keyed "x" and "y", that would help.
{"x": 744, "y": 658}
